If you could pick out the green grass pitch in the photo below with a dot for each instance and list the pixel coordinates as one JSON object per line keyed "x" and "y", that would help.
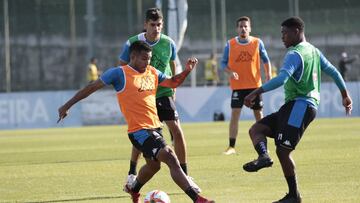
{"x": 89, "y": 164}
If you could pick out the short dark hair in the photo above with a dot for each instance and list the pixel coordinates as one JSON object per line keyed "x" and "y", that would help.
{"x": 243, "y": 18}
{"x": 153, "y": 14}
{"x": 139, "y": 46}
{"x": 294, "y": 22}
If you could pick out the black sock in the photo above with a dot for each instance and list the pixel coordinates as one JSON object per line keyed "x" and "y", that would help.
{"x": 261, "y": 148}
{"x": 132, "y": 169}
{"x": 191, "y": 193}
{"x": 232, "y": 142}
{"x": 184, "y": 168}
{"x": 292, "y": 184}
{"x": 137, "y": 186}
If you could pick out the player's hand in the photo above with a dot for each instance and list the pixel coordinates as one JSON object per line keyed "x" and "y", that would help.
{"x": 347, "y": 103}
{"x": 249, "y": 99}
{"x": 191, "y": 63}
{"x": 63, "y": 112}
{"x": 234, "y": 76}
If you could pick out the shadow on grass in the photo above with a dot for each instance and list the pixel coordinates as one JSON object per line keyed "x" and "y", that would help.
{"x": 92, "y": 198}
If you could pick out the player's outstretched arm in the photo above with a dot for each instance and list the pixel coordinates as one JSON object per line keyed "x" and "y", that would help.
{"x": 81, "y": 94}
{"x": 178, "y": 79}
{"x": 330, "y": 70}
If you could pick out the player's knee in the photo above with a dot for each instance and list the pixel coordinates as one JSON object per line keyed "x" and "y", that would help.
{"x": 171, "y": 158}
{"x": 170, "y": 152}
{"x": 282, "y": 152}
{"x": 235, "y": 113}
{"x": 156, "y": 167}
{"x": 253, "y": 131}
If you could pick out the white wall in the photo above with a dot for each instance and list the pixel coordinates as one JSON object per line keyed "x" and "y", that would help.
{"x": 39, "y": 109}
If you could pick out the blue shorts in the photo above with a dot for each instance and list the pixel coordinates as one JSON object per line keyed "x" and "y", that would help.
{"x": 148, "y": 141}
{"x": 289, "y": 123}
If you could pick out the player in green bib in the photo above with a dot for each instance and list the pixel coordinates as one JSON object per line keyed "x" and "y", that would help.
{"x": 301, "y": 76}
{"x": 163, "y": 59}
{"x": 164, "y": 52}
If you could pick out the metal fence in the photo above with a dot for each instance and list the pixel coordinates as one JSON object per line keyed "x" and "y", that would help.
{"x": 51, "y": 41}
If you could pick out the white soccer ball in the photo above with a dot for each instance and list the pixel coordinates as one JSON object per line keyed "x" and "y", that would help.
{"x": 157, "y": 196}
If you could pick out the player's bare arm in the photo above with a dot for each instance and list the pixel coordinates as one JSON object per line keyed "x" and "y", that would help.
{"x": 178, "y": 79}
{"x": 81, "y": 94}
{"x": 173, "y": 70}
{"x": 231, "y": 73}
{"x": 267, "y": 67}
{"x": 347, "y": 101}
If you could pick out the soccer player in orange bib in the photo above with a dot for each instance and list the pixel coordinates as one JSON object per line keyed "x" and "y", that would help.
{"x": 163, "y": 59}
{"x": 241, "y": 60}
{"x": 136, "y": 84}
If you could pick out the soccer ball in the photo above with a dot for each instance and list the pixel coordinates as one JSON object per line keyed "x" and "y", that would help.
{"x": 156, "y": 196}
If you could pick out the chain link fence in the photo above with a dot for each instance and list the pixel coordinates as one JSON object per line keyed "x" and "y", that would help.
{"x": 51, "y": 41}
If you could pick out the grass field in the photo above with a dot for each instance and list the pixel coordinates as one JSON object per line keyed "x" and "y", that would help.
{"x": 89, "y": 164}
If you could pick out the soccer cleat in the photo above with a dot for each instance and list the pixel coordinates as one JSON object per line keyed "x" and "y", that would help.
{"x": 289, "y": 199}
{"x": 129, "y": 181}
{"x": 203, "y": 200}
{"x": 135, "y": 196}
{"x": 230, "y": 150}
{"x": 262, "y": 162}
{"x": 193, "y": 184}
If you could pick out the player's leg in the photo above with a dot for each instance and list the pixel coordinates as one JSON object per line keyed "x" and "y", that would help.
{"x": 171, "y": 137}
{"x": 233, "y": 130}
{"x": 153, "y": 146}
{"x": 257, "y": 107}
{"x": 149, "y": 142}
{"x": 234, "y": 125}
{"x": 148, "y": 170}
{"x": 180, "y": 149}
{"x": 258, "y": 133}
{"x": 145, "y": 174}
{"x": 179, "y": 142}
{"x": 168, "y": 156}
{"x": 167, "y": 112}
{"x": 237, "y": 102}
{"x": 135, "y": 155}
{"x": 234, "y": 122}
{"x": 258, "y": 114}
{"x": 299, "y": 115}
{"x": 288, "y": 168}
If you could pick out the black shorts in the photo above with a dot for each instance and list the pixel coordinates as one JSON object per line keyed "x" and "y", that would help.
{"x": 238, "y": 96}
{"x": 289, "y": 123}
{"x": 166, "y": 109}
{"x": 148, "y": 141}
